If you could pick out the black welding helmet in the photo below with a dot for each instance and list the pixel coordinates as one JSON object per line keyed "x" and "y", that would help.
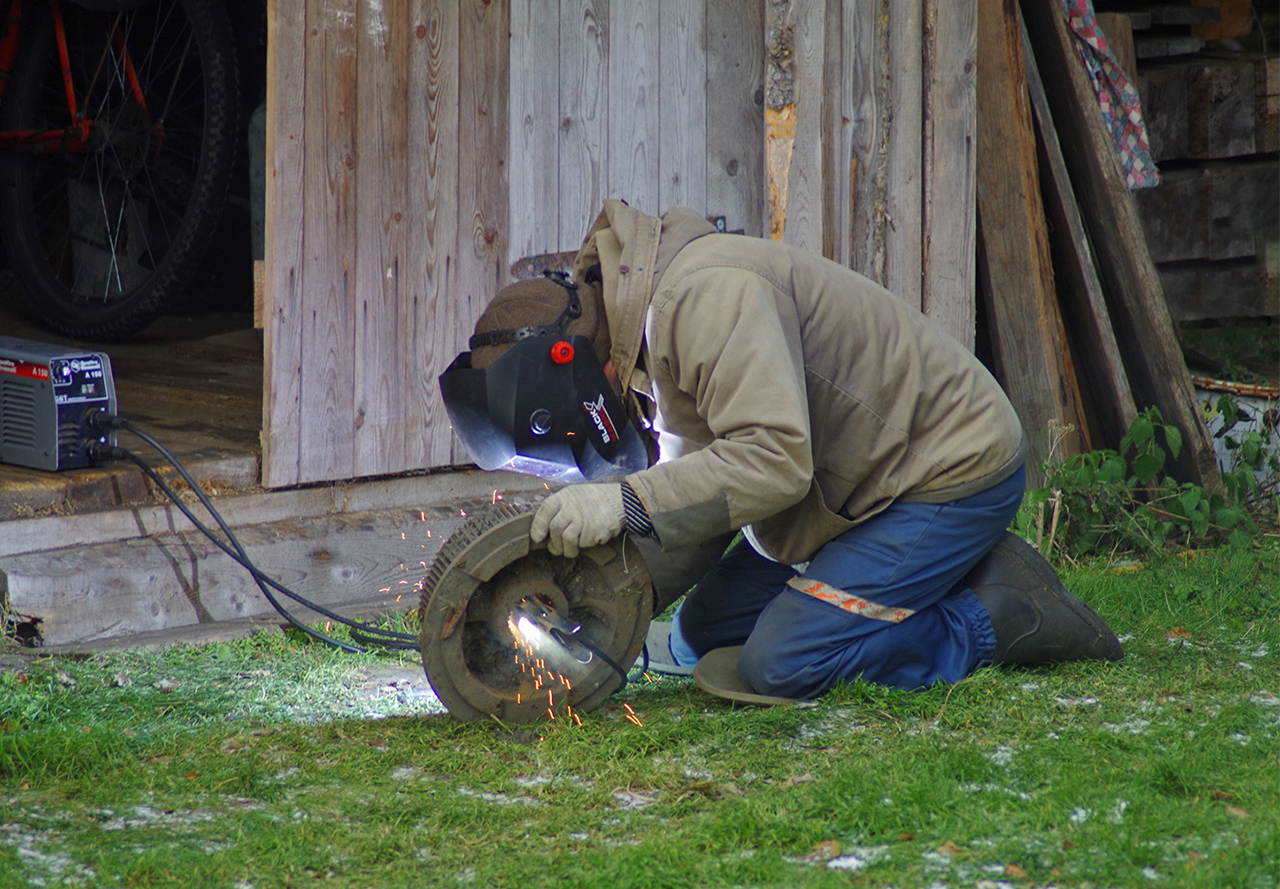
{"x": 545, "y": 408}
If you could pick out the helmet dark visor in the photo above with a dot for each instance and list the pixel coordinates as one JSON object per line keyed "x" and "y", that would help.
{"x": 545, "y": 408}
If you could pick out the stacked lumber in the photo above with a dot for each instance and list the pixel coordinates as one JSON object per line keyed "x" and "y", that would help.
{"x": 1213, "y": 224}
{"x": 1076, "y": 319}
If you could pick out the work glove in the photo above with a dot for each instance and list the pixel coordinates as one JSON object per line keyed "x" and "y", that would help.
{"x": 578, "y": 517}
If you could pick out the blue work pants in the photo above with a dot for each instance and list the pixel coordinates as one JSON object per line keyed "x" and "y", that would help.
{"x": 882, "y": 601}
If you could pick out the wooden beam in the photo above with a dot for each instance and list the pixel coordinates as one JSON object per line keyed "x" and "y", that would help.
{"x": 1028, "y": 335}
{"x": 285, "y": 245}
{"x": 1101, "y": 376}
{"x": 735, "y": 114}
{"x": 949, "y": 213}
{"x": 482, "y": 255}
{"x": 585, "y": 29}
{"x": 1135, "y": 298}
{"x": 432, "y": 312}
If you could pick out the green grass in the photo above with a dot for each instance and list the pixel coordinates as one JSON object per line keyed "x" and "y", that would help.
{"x": 275, "y": 762}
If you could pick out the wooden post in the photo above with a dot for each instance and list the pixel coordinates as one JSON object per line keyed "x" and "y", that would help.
{"x": 1135, "y": 297}
{"x": 1028, "y": 335}
{"x": 1103, "y": 381}
{"x": 949, "y": 156}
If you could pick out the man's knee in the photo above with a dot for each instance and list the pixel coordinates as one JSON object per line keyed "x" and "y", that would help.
{"x": 772, "y": 672}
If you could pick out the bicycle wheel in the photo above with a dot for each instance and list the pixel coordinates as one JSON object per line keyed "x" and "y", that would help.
{"x": 102, "y": 238}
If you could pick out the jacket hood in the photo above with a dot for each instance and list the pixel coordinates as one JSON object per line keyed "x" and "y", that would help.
{"x": 633, "y": 250}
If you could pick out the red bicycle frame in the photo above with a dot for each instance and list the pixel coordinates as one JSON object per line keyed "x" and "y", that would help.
{"x": 75, "y": 136}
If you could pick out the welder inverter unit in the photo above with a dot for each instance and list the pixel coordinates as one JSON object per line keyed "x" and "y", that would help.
{"x": 46, "y": 392}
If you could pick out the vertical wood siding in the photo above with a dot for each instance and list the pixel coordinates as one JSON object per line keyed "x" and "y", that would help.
{"x": 420, "y": 147}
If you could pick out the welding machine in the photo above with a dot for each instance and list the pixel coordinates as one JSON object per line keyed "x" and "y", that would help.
{"x": 47, "y": 393}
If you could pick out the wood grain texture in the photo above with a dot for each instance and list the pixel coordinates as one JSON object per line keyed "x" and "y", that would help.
{"x": 482, "y": 252}
{"x": 904, "y": 194}
{"x": 805, "y": 186}
{"x": 285, "y": 242}
{"x": 948, "y": 214}
{"x": 1103, "y": 381}
{"x": 431, "y": 311}
{"x": 329, "y": 299}
{"x": 1026, "y": 325}
{"x": 634, "y": 118}
{"x": 682, "y": 97}
{"x": 533, "y": 159}
{"x": 584, "y": 111}
{"x": 381, "y": 237}
{"x": 1135, "y": 298}
{"x": 865, "y": 83}
{"x": 735, "y": 114}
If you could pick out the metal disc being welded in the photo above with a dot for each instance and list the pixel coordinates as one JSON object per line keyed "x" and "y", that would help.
{"x": 486, "y": 658}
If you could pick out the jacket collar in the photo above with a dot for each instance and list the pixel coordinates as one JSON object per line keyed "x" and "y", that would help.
{"x": 633, "y": 250}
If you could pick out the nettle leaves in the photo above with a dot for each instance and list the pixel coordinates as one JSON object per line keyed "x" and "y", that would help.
{"x": 1107, "y": 500}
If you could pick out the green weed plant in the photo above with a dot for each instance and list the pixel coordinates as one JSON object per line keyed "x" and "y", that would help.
{"x": 1125, "y": 501}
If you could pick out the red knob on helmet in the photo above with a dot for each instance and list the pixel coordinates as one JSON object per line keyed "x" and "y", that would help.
{"x": 562, "y": 352}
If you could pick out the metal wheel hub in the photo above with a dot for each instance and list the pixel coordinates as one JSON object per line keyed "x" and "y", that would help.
{"x": 503, "y": 621}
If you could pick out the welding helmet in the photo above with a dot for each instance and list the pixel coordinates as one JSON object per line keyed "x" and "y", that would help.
{"x": 545, "y": 408}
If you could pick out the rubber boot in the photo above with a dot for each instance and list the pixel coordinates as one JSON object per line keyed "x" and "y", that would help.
{"x": 1036, "y": 620}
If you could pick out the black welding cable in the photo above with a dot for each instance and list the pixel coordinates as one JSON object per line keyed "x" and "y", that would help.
{"x": 258, "y": 577}
{"x": 610, "y": 662}
{"x": 394, "y": 640}
{"x": 362, "y": 632}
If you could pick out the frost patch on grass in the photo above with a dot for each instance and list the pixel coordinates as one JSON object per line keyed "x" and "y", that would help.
{"x": 991, "y": 787}
{"x": 859, "y": 857}
{"x": 146, "y": 816}
{"x": 1080, "y": 816}
{"x": 628, "y": 800}
{"x": 1132, "y": 726}
{"x": 57, "y": 867}
{"x": 47, "y": 867}
{"x": 542, "y": 779}
{"x": 1001, "y": 756}
{"x": 1072, "y": 703}
{"x": 501, "y": 799}
{"x": 1116, "y": 815}
{"x": 1264, "y": 699}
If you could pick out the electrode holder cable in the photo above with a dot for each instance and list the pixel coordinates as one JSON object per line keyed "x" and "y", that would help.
{"x": 366, "y": 633}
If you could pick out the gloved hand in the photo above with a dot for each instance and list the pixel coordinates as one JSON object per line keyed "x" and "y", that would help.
{"x": 579, "y": 516}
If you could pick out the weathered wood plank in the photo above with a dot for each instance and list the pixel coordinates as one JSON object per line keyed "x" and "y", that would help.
{"x": 904, "y": 194}
{"x": 381, "y": 360}
{"x": 328, "y": 392}
{"x": 532, "y": 160}
{"x": 113, "y": 524}
{"x": 285, "y": 243}
{"x": 805, "y": 186}
{"x": 482, "y": 254}
{"x": 634, "y": 113}
{"x": 173, "y": 580}
{"x": 1212, "y": 212}
{"x": 682, "y": 97}
{"x": 431, "y": 313}
{"x": 866, "y": 27}
{"x": 1135, "y": 298}
{"x": 1103, "y": 381}
{"x": 1027, "y": 329}
{"x": 735, "y": 113}
{"x": 584, "y": 107}
{"x": 949, "y": 212}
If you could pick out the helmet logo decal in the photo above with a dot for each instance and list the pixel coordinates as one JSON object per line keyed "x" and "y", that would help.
{"x": 601, "y": 418}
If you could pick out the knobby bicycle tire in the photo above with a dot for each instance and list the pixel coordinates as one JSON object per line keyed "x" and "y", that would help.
{"x": 101, "y": 240}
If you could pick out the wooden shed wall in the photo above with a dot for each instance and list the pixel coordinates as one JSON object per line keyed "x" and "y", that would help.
{"x": 417, "y": 148}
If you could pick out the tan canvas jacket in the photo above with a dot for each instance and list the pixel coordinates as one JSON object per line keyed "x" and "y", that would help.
{"x": 787, "y": 392}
